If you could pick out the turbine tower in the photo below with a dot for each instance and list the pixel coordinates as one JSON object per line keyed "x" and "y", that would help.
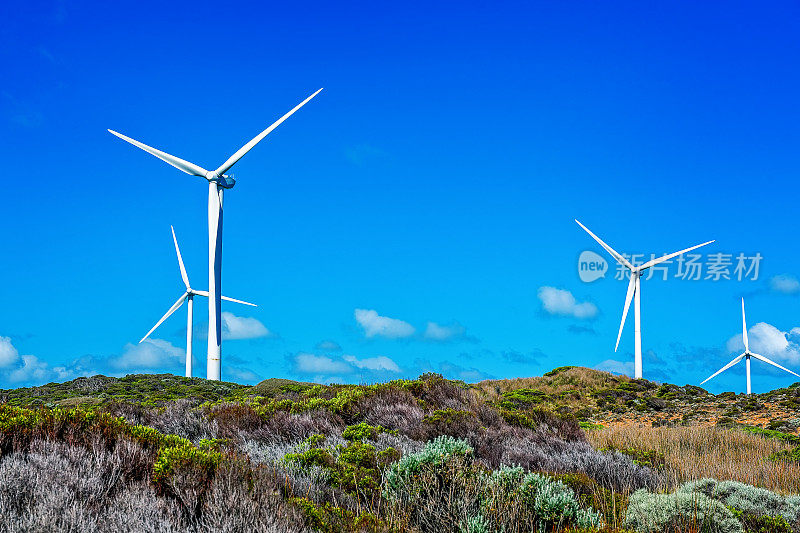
{"x": 189, "y": 297}
{"x": 634, "y": 291}
{"x": 217, "y": 183}
{"x": 746, "y": 356}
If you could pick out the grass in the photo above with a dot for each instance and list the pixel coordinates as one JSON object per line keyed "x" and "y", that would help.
{"x": 696, "y": 452}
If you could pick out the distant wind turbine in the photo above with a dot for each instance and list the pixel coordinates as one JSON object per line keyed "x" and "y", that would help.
{"x": 634, "y": 291}
{"x": 189, "y": 296}
{"x": 217, "y": 183}
{"x": 746, "y": 356}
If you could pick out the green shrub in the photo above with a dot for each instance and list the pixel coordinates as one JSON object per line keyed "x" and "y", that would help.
{"x": 771, "y": 434}
{"x": 539, "y": 500}
{"x": 762, "y": 523}
{"x": 792, "y": 455}
{"x": 435, "y": 454}
{"x": 362, "y": 431}
{"x": 557, "y": 371}
{"x": 747, "y": 498}
{"x": 649, "y": 458}
{"x": 442, "y": 481}
{"x": 655, "y": 513}
{"x": 476, "y": 524}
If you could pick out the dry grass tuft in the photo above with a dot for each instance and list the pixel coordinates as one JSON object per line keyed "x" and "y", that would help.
{"x": 695, "y": 452}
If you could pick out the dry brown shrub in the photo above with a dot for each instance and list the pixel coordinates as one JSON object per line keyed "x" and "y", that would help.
{"x": 695, "y": 452}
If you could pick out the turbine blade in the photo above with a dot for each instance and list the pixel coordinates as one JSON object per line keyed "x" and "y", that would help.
{"x": 177, "y": 162}
{"x": 762, "y": 358}
{"x": 670, "y": 256}
{"x": 744, "y": 329}
{"x": 205, "y": 293}
{"x": 724, "y": 368}
{"x": 257, "y": 139}
{"x": 609, "y": 249}
{"x": 238, "y": 301}
{"x": 172, "y": 309}
{"x": 180, "y": 260}
{"x": 628, "y": 297}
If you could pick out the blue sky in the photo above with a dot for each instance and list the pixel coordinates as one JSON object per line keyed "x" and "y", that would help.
{"x": 418, "y": 214}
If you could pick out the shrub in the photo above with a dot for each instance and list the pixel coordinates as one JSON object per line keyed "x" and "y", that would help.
{"x": 612, "y": 470}
{"x": 435, "y": 454}
{"x": 654, "y": 513}
{"x": 442, "y": 488}
{"x": 534, "y": 500}
{"x": 746, "y": 498}
{"x": 362, "y": 431}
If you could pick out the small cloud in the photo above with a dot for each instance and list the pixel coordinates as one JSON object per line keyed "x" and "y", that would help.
{"x": 784, "y": 283}
{"x": 437, "y": 332}
{"x": 531, "y": 358}
{"x": 579, "y": 330}
{"x": 454, "y": 371}
{"x": 329, "y": 346}
{"x": 562, "y": 302}
{"x": 149, "y": 354}
{"x": 616, "y": 367}
{"x": 236, "y": 327}
{"x": 307, "y": 363}
{"x": 380, "y": 326}
{"x": 363, "y": 154}
{"x": 376, "y": 364}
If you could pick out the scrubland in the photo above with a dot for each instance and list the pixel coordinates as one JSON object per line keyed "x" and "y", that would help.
{"x": 563, "y": 452}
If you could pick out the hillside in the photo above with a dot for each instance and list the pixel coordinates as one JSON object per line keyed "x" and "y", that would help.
{"x": 591, "y": 396}
{"x": 166, "y": 453}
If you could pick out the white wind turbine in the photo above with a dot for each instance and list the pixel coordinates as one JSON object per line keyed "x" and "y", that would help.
{"x": 634, "y": 291}
{"x": 746, "y": 356}
{"x": 189, "y": 296}
{"x": 217, "y": 183}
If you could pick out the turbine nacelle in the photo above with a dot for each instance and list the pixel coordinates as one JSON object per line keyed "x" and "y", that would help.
{"x": 224, "y": 181}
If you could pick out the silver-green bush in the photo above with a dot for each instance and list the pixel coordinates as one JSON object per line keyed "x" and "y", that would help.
{"x": 654, "y": 513}
{"x": 747, "y": 498}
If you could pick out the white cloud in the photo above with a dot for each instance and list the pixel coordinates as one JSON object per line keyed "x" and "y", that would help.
{"x": 562, "y": 302}
{"x": 382, "y": 326}
{"x": 437, "y": 332}
{"x": 765, "y": 339}
{"x": 8, "y": 354}
{"x": 237, "y": 327}
{"x": 29, "y": 369}
{"x": 377, "y": 364}
{"x": 32, "y": 369}
{"x": 329, "y": 346}
{"x": 326, "y": 369}
{"x": 616, "y": 367}
{"x": 149, "y": 354}
{"x": 784, "y": 283}
{"x": 308, "y": 363}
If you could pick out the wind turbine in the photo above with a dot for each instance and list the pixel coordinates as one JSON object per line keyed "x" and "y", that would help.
{"x": 217, "y": 183}
{"x": 634, "y": 291}
{"x": 189, "y": 296}
{"x": 746, "y": 356}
